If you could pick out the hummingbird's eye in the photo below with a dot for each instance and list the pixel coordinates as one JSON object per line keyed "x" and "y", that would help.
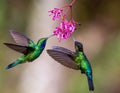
{"x": 76, "y": 47}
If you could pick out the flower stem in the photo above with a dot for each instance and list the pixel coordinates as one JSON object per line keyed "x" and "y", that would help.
{"x": 70, "y": 13}
{"x": 71, "y": 4}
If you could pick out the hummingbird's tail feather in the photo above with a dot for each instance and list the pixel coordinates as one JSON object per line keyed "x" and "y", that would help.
{"x": 13, "y": 64}
{"x": 90, "y": 84}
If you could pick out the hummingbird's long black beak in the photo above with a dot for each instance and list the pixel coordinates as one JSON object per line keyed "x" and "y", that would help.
{"x": 50, "y": 36}
{"x": 73, "y": 38}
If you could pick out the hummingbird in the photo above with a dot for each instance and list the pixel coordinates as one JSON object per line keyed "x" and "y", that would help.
{"x": 76, "y": 60}
{"x": 27, "y": 47}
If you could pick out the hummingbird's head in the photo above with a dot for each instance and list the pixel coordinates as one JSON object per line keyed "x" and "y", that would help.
{"x": 42, "y": 42}
{"x": 78, "y": 46}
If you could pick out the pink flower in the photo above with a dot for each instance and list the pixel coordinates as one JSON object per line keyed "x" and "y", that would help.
{"x": 56, "y": 13}
{"x": 66, "y": 26}
{"x": 65, "y": 29}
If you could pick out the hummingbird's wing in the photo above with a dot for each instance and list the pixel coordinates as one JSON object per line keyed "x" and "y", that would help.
{"x": 19, "y": 48}
{"x": 64, "y": 50}
{"x": 62, "y": 58}
{"x": 20, "y": 39}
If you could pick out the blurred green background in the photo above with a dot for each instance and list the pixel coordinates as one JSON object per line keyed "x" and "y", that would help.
{"x": 99, "y": 17}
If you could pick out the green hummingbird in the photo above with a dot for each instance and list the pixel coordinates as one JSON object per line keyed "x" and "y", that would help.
{"x": 76, "y": 60}
{"x": 27, "y": 47}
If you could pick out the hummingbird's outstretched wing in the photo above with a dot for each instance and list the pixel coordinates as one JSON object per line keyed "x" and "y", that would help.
{"x": 20, "y": 39}
{"x": 62, "y": 58}
{"x": 64, "y": 50}
{"x": 19, "y": 48}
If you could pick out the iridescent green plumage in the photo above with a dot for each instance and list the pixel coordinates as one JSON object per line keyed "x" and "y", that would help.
{"x": 83, "y": 63}
{"x": 75, "y": 60}
{"x": 27, "y": 47}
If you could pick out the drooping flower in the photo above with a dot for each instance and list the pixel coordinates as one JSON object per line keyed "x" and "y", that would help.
{"x": 56, "y": 13}
{"x": 65, "y": 29}
{"x": 66, "y": 26}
